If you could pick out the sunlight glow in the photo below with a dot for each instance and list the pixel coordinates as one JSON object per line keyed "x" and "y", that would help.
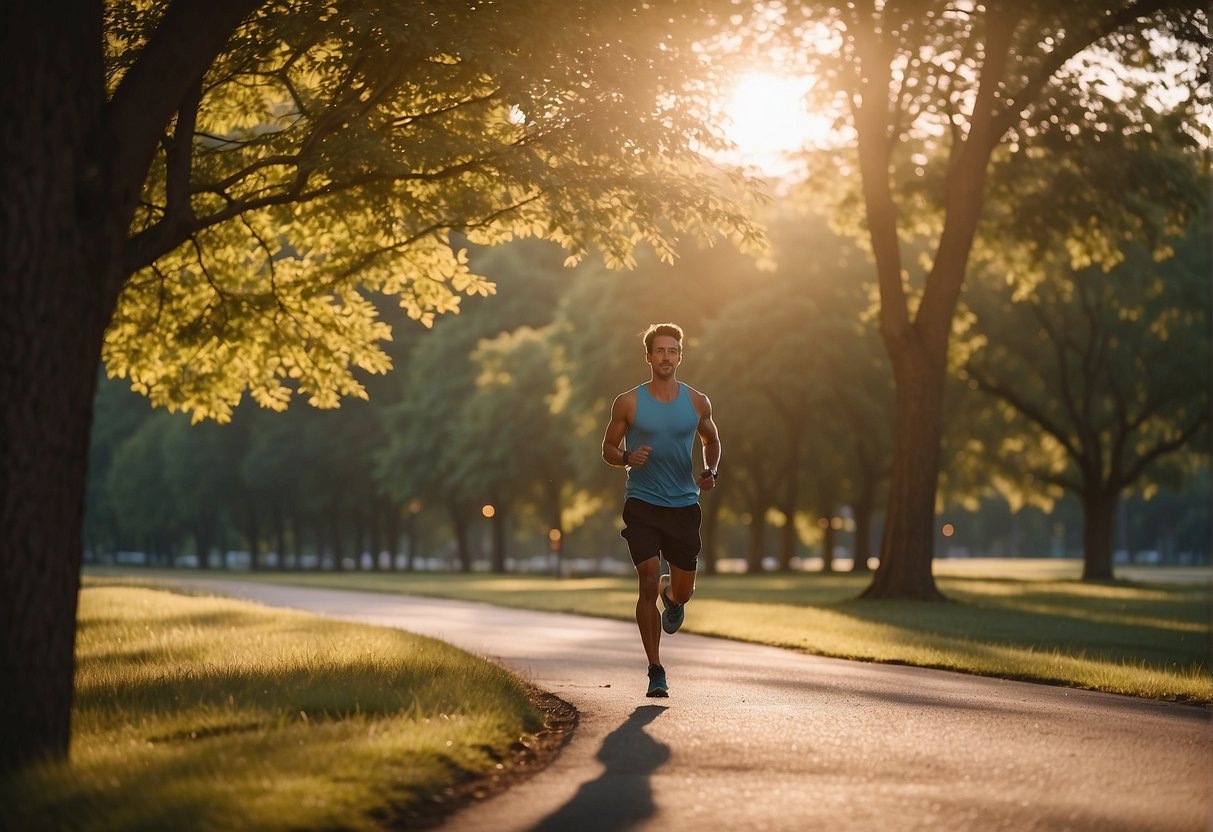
{"x": 766, "y": 116}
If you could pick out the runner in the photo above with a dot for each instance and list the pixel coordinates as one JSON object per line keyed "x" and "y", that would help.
{"x": 652, "y": 433}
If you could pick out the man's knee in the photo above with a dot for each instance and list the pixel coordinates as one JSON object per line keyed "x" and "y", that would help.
{"x": 648, "y": 574}
{"x": 682, "y": 585}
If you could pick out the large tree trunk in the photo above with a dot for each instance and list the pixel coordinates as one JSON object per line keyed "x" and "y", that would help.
{"x": 907, "y": 545}
{"x": 72, "y": 165}
{"x": 56, "y": 295}
{"x": 1098, "y": 521}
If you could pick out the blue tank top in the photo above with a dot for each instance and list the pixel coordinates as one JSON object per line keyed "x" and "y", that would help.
{"x": 669, "y": 428}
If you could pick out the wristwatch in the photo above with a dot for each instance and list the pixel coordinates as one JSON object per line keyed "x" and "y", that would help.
{"x": 712, "y": 471}
{"x": 626, "y": 454}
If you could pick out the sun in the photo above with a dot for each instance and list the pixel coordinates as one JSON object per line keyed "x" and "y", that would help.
{"x": 765, "y": 115}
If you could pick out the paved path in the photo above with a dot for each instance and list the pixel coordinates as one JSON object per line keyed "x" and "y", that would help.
{"x": 756, "y": 738}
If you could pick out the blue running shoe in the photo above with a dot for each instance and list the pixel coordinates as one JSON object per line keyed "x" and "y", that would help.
{"x": 657, "y": 684}
{"x": 674, "y": 614}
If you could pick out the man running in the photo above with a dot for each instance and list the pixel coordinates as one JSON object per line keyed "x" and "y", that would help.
{"x": 651, "y": 433}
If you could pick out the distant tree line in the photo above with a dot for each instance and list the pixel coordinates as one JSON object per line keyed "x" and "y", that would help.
{"x": 500, "y": 410}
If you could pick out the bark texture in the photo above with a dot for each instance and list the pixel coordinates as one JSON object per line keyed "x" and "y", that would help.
{"x": 54, "y": 303}
{"x": 1098, "y": 522}
{"x": 72, "y": 164}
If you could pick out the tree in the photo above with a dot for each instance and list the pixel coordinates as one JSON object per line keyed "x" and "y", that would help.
{"x": 766, "y": 364}
{"x": 852, "y": 441}
{"x": 439, "y": 392}
{"x": 209, "y": 186}
{"x": 201, "y": 465}
{"x": 794, "y": 366}
{"x": 932, "y": 90}
{"x": 519, "y": 430}
{"x": 137, "y": 483}
{"x": 865, "y": 436}
{"x": 287, "y": 467}
{"x": 119, "y": 415}
{"x": 1103, "y": 380}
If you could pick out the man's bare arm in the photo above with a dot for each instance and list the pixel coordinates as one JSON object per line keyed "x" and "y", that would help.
{"x": 709, "y": 437}
{"x": 622, "y": 412}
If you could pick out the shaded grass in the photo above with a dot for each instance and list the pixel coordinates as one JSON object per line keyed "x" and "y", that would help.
{"x": 1014, "y": 619}
{"x": 203, "y": 713}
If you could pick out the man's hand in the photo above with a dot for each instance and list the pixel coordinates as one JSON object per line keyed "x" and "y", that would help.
{"x": 706, "y": 481}
{"x": 637, "y": 457}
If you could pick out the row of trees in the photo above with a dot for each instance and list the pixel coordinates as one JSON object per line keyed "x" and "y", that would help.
{"x": 1090, "y": 385}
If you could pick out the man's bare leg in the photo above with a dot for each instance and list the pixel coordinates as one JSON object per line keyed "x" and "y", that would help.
{"x": 648, "y": 617}
{"x": 675, "y": 590}
{"x": 682, "y": 584}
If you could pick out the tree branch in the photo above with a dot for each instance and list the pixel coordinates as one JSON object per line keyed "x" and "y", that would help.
{"x": 872, "y": 124}
{"x": 1025, "y": 408}
{"x": 1063, "y": 363}
{"x": 185, "y": 43}
{"x": 964, "y": 188}
{"x": 1103, "y": 26}
{"x": 1138, "y": 468}
{"x": 179, "y": 158}
{"x": 158, "y": 240}
{"x": 1060, "y": 480}
{"x": 368, "y": 258}
{"x": 407, "y": 120}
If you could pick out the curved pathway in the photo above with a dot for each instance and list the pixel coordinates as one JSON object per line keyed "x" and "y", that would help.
{"x": 757, "y": 738}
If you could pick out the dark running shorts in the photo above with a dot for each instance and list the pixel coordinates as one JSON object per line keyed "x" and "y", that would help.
{"x": 674, "y": 532}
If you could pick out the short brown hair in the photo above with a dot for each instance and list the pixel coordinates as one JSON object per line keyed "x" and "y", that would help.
{"x": 672, "y": 330}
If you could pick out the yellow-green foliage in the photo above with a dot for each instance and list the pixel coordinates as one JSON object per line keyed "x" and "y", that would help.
{"x": 334, "y": 152}
{"x": 201, "y": 713}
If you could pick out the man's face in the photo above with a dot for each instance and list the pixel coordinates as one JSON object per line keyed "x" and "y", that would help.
{"x": 665, "y": 355}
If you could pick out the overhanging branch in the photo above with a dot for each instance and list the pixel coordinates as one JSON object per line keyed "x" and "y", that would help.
{"x": 1100, "y": 28}
{"x": 1026, "y": 408}
{"x": 184, "y": 44}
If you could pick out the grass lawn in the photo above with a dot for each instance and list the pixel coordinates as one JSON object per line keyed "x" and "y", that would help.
{"x": 1025, "y": 619}
{"x": 205, "y": 713}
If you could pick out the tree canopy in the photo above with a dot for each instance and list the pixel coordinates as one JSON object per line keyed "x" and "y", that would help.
{"x": 329, "y": 154}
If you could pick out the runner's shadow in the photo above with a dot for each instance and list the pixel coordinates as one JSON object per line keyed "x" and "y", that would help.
{"x": 621, "y": 797}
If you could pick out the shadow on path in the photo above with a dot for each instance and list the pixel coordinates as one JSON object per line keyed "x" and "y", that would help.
{"x": 622, "y": 796}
